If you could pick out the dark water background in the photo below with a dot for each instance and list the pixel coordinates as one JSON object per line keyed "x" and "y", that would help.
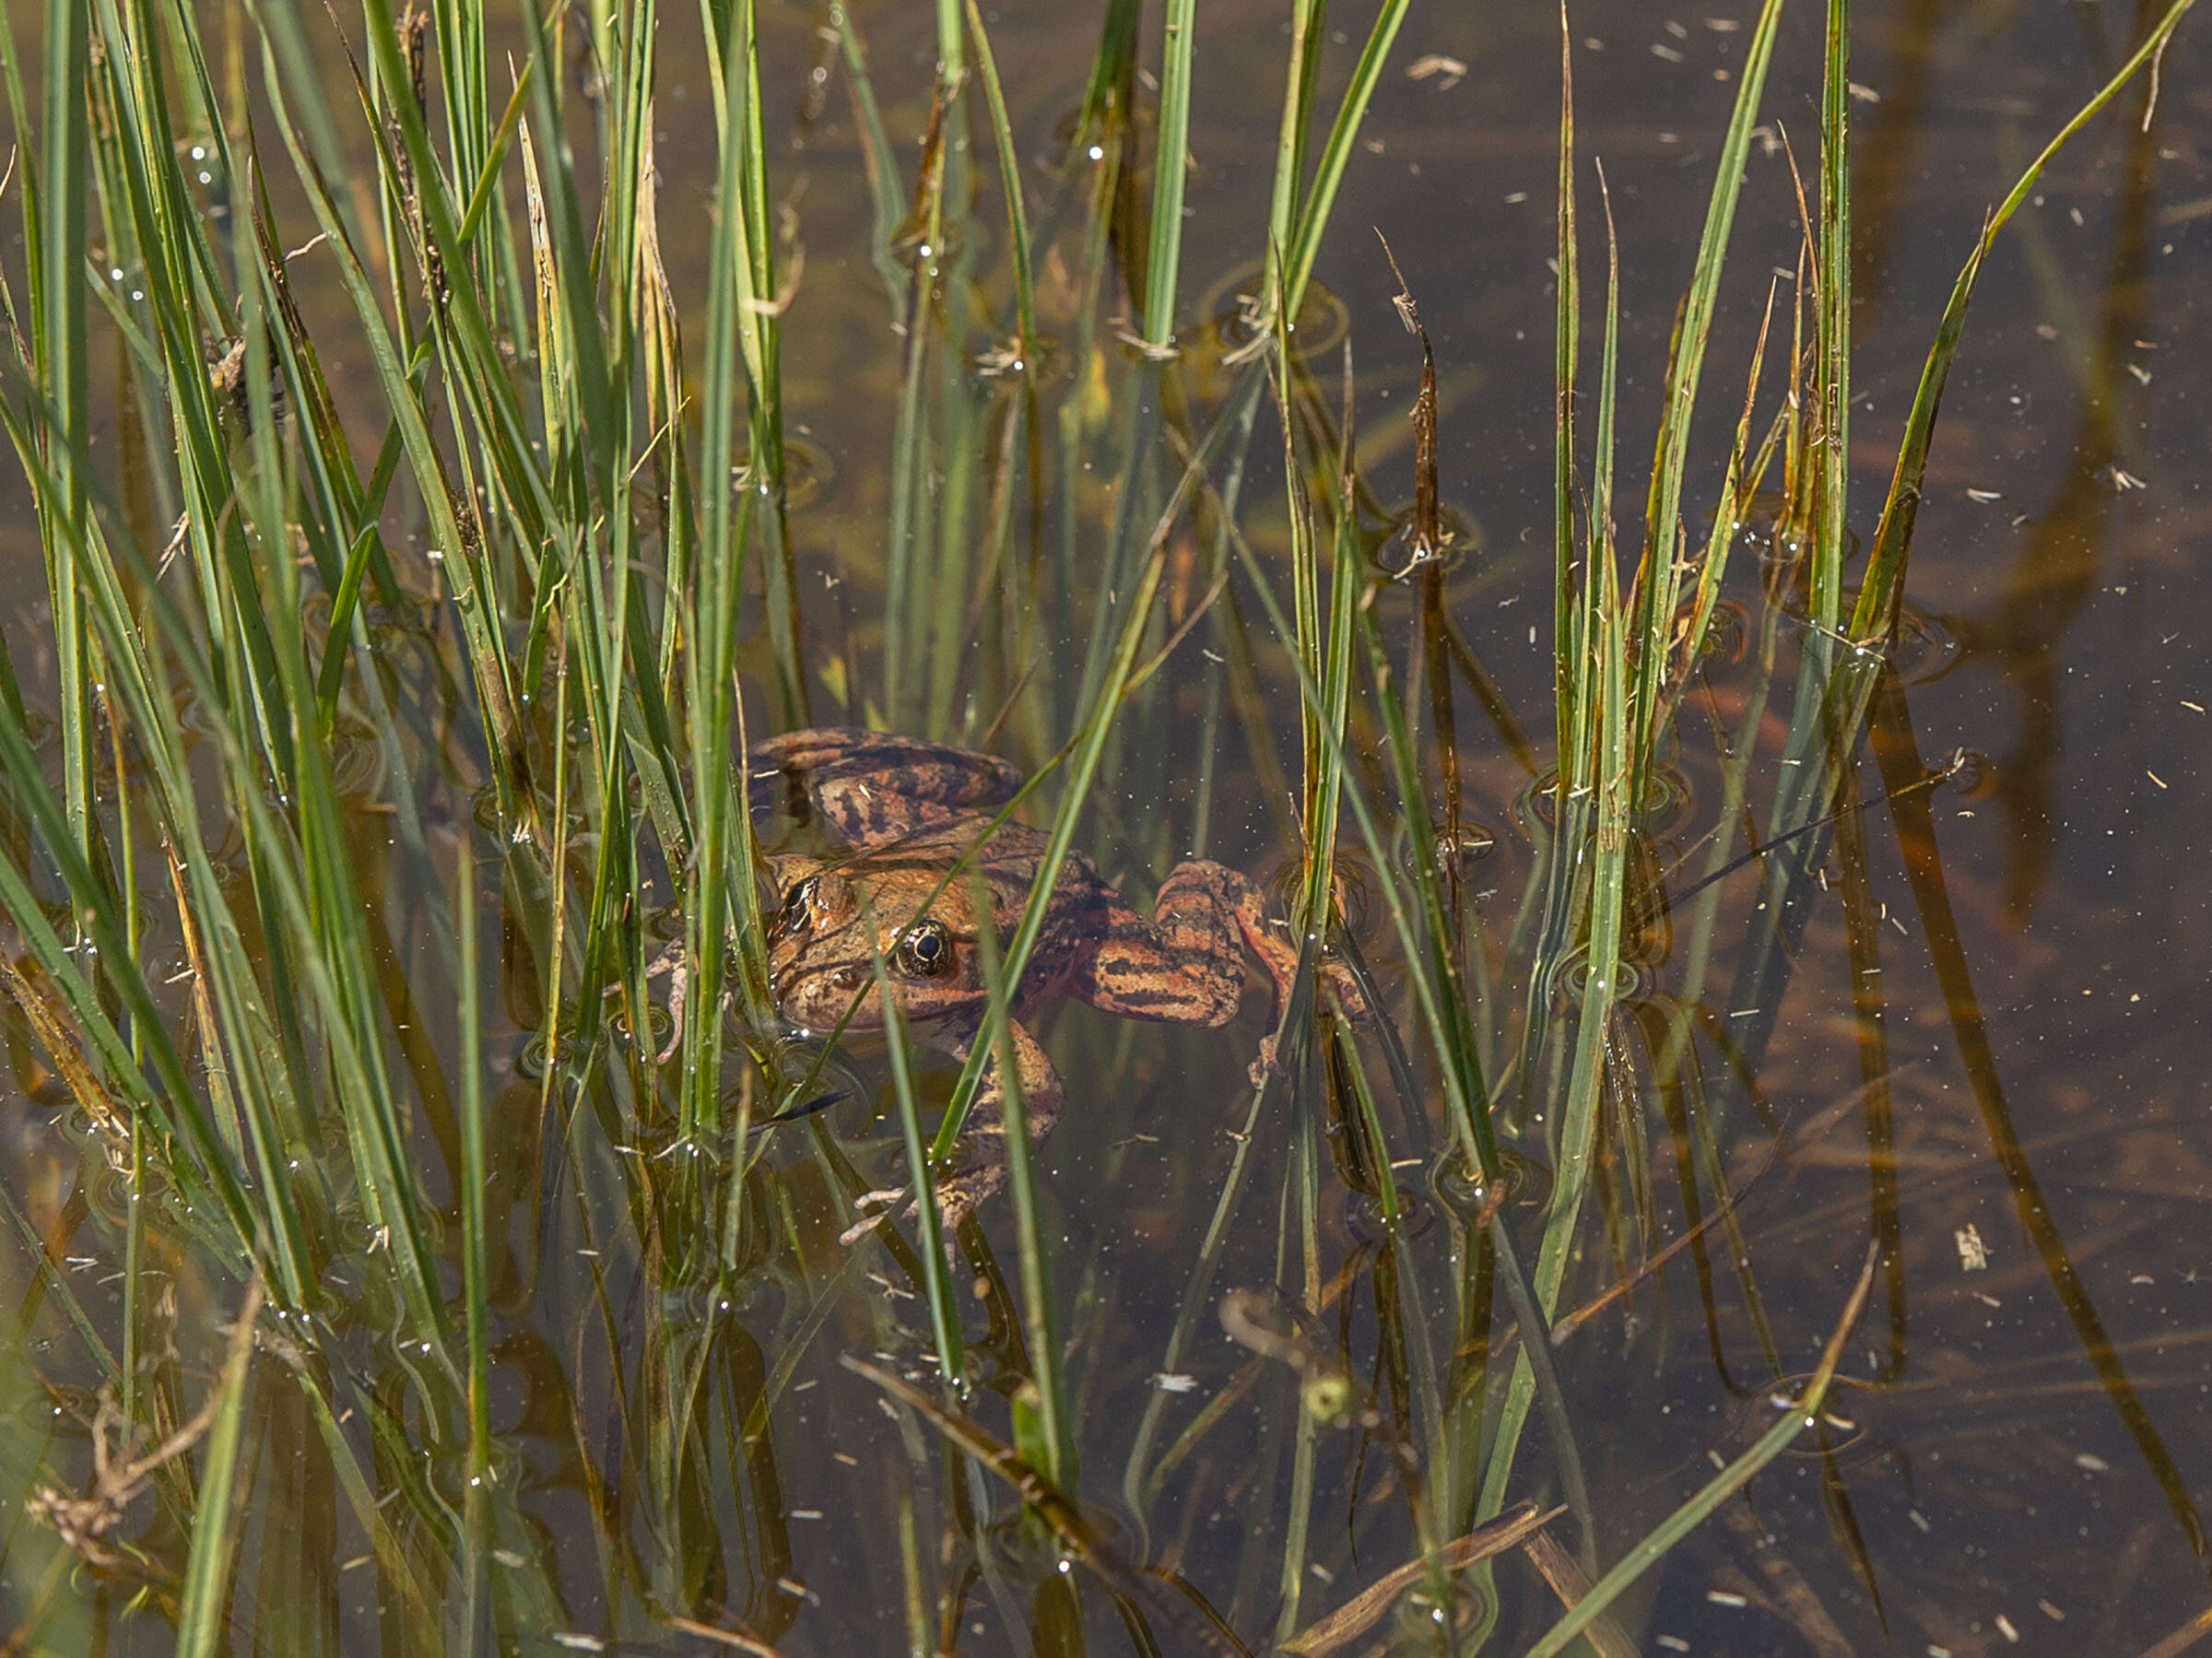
{"x": 2064, "y": 640}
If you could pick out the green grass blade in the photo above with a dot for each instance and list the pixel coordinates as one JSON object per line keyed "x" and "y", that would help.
{"x": 1832, "y": 379}
{"x": 57, "y": 300}
{"x": 1566, "y": 615}
{"x": 202, "y": 1629}
{"x": 1658, "y": 577}
{"x": 1170, "y": 166}
{"x": 475, "y": 1269}
{"x": 1056, "y": 1426}
{"x": 1319, "y": 202}
{"x": 1294, "y": 131}
{"x": 936, "y": 1276}
{"x": 1009, "y": 174}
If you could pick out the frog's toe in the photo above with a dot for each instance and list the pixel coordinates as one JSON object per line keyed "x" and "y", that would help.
{"x": 1266, "y": 1064}
{"x": 1349, "y": 994}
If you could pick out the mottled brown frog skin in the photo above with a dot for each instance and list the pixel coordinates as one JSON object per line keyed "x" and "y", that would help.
{"x": 908, "y": 811}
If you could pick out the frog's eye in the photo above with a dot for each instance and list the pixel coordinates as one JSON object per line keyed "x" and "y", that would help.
{"x": 798, "y": 907}
{"x": 925, "y": 950}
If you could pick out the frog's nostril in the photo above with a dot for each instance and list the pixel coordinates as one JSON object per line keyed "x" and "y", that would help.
{"x": 846, "y": 978}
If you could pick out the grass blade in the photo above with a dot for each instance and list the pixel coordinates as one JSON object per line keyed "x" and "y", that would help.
{"x": 1800, "y": 1414}
{"x": 202, "y": 1629}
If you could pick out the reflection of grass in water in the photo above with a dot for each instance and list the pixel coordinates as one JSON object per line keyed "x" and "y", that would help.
{"x": 483, "y": 1307}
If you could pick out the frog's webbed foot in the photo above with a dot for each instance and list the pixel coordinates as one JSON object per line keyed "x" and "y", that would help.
{"x": 959, "y": 1196}
{"x": 1266, "y": 1065}
{"x": 1239, "y": 902}
{"x": 980, "y": 1171}
{"x": 869, "y": 787}
{"x": 1272, "y": 945}
{"x": 674, "y": 963}
{"x": 677, "y": 965}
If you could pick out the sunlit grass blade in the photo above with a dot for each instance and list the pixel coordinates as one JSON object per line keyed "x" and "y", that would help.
{"x": 1293, "y": 133}
{"x": 1655, "y": 590}
{"x": 1171, "y": 164}
{"x": 1567, "y": 356}
{"x": 736, "y": 73}
{"x": 1319, "y": 204}
{"x": 56, "y": 227}
{"x": 1831, "y": 373}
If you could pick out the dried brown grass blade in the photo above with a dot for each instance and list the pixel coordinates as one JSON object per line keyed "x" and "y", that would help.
{"x": 1357, "y": 1616}
{"x": 1570, "y": 1583}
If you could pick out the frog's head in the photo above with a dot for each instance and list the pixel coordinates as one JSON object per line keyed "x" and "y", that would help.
{"x": 831, "y": 922}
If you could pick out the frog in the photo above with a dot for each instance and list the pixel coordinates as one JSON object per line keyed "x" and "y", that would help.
{"x": 903, "y": 812}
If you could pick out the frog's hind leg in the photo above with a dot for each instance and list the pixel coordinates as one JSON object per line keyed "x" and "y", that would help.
{"x": 1187, "y": 965}
{"x": 982, "y": 1167}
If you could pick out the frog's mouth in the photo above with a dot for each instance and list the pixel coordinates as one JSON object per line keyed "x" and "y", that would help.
{"x": 815, "y": 997}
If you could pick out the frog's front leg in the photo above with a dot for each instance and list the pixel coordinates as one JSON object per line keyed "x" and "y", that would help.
{"x": 872, "y": 788}
{"x": 981, "y": 1169}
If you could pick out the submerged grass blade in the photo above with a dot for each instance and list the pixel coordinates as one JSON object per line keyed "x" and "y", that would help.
{"x": 1799, "y": 1414}
{"x": 1881, "y": 591}
{"x": 936, "y": 1278}
{"x": 1898, "y": 754}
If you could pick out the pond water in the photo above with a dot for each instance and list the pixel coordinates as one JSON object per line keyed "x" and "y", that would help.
{"x": 1990, "y": 1058}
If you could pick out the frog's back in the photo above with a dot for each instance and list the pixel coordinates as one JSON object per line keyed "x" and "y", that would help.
{"x": 1008, "y": 857}
{"x": 871, "y": 788}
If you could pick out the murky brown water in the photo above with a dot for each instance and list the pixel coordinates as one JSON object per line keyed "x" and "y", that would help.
{"x": 1992, "y": 1474}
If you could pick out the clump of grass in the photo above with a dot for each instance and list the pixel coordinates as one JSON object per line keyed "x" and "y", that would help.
{"x": 243, "y": 991}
